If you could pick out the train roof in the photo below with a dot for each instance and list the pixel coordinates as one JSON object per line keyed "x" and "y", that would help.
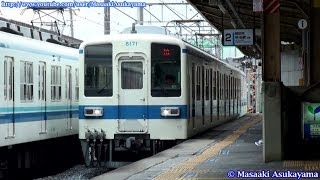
{"x": 146, "y": 37}
{"x": 20, "y": 43}
{"x": 201, "y": 52}
{"x": 159, "y": 38}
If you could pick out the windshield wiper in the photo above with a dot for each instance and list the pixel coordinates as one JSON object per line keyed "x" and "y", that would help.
{"x": 101, "y": 90}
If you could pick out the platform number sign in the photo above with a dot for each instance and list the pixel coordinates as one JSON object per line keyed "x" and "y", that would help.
{"x": 228, "y": 37}
{"x": 238, "y": 37}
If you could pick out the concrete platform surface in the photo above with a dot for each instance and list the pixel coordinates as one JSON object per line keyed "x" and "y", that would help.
{"x": 224, "y": 152}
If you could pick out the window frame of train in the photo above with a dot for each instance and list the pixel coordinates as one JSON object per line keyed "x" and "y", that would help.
{"x": 26, "y": 81}
{"x": 165, "y": 63}
{"x": 98, "y": 58}
{"x": 56, "y": 83}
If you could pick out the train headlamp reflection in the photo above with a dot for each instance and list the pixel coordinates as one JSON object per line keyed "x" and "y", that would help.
{"x": 93, "y": 111}
{"x": 170, "y": 111}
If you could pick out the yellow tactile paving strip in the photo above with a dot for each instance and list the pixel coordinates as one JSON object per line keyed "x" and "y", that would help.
{"x": 306, "y": 165}
{"x": 184, "y": 167}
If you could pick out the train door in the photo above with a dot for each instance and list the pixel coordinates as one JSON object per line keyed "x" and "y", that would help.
{"x": 68, "y": 97}
{"x": 9, "y": 95}
{"x": 132, "y": 95}
{"x": 42, "y": 97}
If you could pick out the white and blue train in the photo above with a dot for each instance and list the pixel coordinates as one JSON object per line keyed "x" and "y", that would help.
{"x": 137, "y": 90}
{"x": 38, "y": 93}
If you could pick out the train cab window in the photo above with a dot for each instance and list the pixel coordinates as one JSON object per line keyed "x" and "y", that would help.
{"x": 26, "y": 81}
{"x": 98, "y": 70}
{"x": 55, "y": 83}
{"x": 165, "y": 70}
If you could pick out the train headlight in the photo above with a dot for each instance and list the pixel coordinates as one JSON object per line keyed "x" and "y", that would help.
{"x": 93, "y": 111}
{"x": 170, "y": 111}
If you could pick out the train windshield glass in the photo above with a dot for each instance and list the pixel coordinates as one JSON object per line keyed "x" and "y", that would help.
{"x": 165, "y": 70}
{"x": 98, "y": 70}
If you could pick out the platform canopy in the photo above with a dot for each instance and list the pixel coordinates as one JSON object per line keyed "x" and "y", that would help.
{"x": 239, "y": 14}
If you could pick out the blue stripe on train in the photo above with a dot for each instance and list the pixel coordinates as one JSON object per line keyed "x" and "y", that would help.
{"x": 37, "y": 108}
{"x": 37, "y": 116}
{"x": 134, "y": 112}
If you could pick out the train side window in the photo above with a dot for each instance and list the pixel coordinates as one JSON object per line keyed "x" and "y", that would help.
{"x": 214, "y": 84}
{"x": 217, "y": 84}
{"x": 26, "y": 81}
{"x": 5, "y": 79}
{"x": 198, "y": 82}
{"x": 98, "y": 71}
{"x": 231, "y": 87}
{"x": 207, "y": 81}
{"x": 221, "y": 87}
{"x": 231, "y": 92}
{"x": 234, "y": 88}
{"x": 239, "y": 88}
{"x": 40, "y": 35}
{"x": 31, "y": 33}
{"x": 77, "y": 84}
{"x": 227, "y": 87}
{"x": 193, "y": 84}
{"x": 55, "y": 83}
{"x": 68, "y": 83}
{"x": 211, "y": 85}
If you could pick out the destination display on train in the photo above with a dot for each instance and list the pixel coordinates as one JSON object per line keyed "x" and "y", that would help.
{"x": 165, "y": 51}
{"x": 311, "y": 120}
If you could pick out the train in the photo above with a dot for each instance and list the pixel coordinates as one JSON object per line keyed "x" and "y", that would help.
{"x": 39, "y": 85}
{"x": 138, "y": 91}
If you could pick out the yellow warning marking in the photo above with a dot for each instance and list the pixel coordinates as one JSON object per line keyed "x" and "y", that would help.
{"x": 187, "y": 166}
{"x": 316, "y": 3}
{"x": 306, "y": 165}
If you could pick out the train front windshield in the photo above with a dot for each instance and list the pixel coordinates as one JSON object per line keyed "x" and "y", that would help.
{"x": 98, "y": 70}
{"x": 165, "y": 70}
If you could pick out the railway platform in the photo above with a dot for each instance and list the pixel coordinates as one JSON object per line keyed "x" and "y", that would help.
{"x": 224, "y": 152}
